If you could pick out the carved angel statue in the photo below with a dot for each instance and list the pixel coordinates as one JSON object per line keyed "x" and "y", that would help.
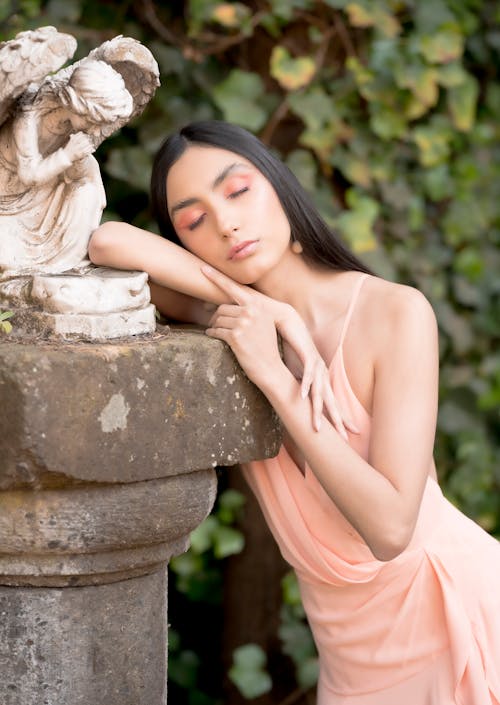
{"x": 51, "y": 192}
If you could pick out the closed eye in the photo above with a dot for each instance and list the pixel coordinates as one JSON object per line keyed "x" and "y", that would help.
{"x": 235, "y": 194}
{"x": 197, "y": 222}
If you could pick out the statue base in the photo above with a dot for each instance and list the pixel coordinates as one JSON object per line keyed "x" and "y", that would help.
{"x": 96, "y": 303}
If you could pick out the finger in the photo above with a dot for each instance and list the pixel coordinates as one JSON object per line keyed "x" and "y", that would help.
{"x": 307, "y": 378}
{"x": 222, "y": 322}
{"x": 316, "y": 394}
{"x": 333, "y": 412}
{"x": 226, "y": 310}
{"x": 227, "y": 285}
{"x": 330, "y": 400}
{"x": 229, "y": 310}
{"x": 350, "y": 425}
{"x": 224, "y": 334}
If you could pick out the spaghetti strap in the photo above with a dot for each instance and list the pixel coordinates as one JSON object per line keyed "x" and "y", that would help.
{"x": 354, "y": 298}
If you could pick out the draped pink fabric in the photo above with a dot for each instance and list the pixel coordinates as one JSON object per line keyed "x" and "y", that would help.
{"x": 422, "y": 629}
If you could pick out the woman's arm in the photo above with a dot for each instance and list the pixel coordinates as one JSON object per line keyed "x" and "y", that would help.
{"x": 380, "y": 496}
{"x": 169, "y": 266}
{"x": 180, "y": 307}
{"x": 181, "y": 291}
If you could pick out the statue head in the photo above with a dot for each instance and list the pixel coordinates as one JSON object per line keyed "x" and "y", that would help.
{"x": 97, "y": 92}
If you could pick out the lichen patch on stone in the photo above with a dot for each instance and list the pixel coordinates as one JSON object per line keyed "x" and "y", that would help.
{"x": 114, "y": 415}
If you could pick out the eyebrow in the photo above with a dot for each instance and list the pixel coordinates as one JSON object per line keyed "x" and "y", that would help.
{"x": 216, "y": 182}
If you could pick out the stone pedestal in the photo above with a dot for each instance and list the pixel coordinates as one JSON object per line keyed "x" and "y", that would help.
{"x": 106, "y": 457}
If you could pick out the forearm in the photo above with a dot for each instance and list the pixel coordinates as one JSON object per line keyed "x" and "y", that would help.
{"x": 365, "y": 496}
{"x": 179, "y": 307}
{"x": 124, "y": 246}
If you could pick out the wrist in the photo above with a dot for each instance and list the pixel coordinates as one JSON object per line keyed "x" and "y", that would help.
{"x": 282, "y": 314}
{"x": 279, "y": 385}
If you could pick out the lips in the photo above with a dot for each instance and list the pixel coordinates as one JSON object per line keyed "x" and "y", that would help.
{"x": 242, "y": 249}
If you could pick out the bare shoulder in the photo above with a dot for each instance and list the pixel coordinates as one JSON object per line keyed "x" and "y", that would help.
{"x": 393, "y": 313}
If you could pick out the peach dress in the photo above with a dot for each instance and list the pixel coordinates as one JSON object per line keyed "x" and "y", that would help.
{"x": 422, "y": 629}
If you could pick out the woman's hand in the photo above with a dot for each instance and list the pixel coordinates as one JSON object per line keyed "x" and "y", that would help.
{"x": 249, "y": 326}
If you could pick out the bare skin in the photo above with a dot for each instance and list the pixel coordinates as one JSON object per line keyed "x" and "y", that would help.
{"x": 227, "y": 214}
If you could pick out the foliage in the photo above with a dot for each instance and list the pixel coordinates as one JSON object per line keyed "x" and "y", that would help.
{"x": 295, "y": 634}
{"x": 5, "y": 325}
{"x": 248, "y": 672}
{"x": 198, "y": 576}
{"x": 386, "y": 110}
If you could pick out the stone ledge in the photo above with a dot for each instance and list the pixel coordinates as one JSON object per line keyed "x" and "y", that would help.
{"x": 74, "y": 412}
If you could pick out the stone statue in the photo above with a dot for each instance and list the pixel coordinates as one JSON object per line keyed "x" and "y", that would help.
{"x": 51, "y": 191}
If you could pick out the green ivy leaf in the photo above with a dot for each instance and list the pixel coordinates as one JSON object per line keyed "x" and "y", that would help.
{"x": 203, "y": 536}
{"x": 357, "y": 224}
{"x": 187, "y": 564}
{"x": 462, "y": 100}
{"x": 183, "y": 669}
{"x": 421, "y": 80}
{"x": 443, "y": 46}
{"x": 248, "y": 671}
{"x": 387, "y": 123}
{"x": 451, "y": 75}
{"x": 227, "y": 541}
{"x": 229, "y": 505}
{"x": 130, "y": 164}
{"x": 230, "y": 15}
{"x": 433, "y": 142}
{"x": 362, "y": 14}
{"x": 5, "y": 325}
{"x": 302, "y": 163}
{"x": 290, "y": 73}
{"x": 290, "y": 589}
{"x": 239, "y": 99}
{"x": 308, "y": 672}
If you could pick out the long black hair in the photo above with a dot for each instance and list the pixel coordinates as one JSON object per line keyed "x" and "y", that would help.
{"x": 320, "y": 245}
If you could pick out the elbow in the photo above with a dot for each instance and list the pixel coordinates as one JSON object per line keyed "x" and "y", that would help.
{"x": 391, "y": 543}
{"x": 101, "y": 243}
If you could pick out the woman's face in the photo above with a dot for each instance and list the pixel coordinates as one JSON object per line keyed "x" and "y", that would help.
{"x": 227, "y": 213}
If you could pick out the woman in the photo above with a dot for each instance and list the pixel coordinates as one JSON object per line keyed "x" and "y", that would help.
{"x": 401, "y": 590}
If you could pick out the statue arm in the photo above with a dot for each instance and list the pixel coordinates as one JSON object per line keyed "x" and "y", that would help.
{"x": 33, "y": 168}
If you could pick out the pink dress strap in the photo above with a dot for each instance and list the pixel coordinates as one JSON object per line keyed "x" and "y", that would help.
{"x": 352, "y": 304}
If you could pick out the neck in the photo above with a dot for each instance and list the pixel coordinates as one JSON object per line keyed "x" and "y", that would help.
{"x": 307, "y": 288}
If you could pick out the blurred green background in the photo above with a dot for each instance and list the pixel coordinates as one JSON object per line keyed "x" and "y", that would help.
{"x": 387, "y": 111}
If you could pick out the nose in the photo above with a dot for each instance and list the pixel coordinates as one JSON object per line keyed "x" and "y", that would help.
{"x": 226, "y": 224}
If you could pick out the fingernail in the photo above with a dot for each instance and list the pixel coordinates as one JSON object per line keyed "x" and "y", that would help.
{"x": 206, "y": 268}
{"x": 303, "y": 393}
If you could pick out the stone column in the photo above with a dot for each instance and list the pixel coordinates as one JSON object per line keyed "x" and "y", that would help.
{"x": 106, "y": 464}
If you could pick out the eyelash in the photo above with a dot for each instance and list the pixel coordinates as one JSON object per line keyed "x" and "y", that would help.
{"x": 235, "y": 194}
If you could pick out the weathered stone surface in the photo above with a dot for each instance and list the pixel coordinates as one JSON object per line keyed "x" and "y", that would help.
{"x": 91, "y": 534}
{"x": 126, "y": 411}
{"x": 106, "y": 465}
{"x": 104, "y": 645}
{"x": 95, "y": 303}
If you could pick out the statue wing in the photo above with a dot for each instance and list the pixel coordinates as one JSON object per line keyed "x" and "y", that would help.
{"x": 27, "y": 59}
{"x": 139, "y": 70}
